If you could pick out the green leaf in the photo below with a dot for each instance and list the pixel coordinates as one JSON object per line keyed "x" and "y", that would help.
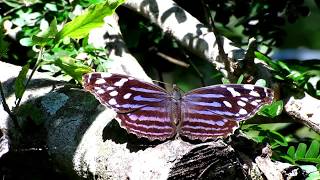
{"x": 291, "y": 151}
{"x": 225, "y": 81}
{"x": 278, "y": 138}
{"x": 240, "y": 79}
{"x": 313, "y": 150}
{"x": 288, "y": 158}
{"x": 272, "y": 110}
{"x": 26, "y": 42}
{"x": 267, "y": 60}
{"x": 72, "y": 68}
{"x": 261, "y": 56}
{"x": 93, "y": 17}
{"x": 41, "y": 41}
{"x": 44, "y": 38}
{"x": 301, "y": 151}
{"x": 261, "y": 82}
{"x": 19, "y": 83}
{"x": 51, "y": 7}
{"x": 283, "y": 66}
{"x": 53, "y": 28}
{"x": 309, "y": 160}
{"x": 279, "y": 77}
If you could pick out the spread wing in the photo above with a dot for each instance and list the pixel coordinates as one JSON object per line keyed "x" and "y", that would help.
{"x": 214, "y": 111}
{"x": 142, "y": 108}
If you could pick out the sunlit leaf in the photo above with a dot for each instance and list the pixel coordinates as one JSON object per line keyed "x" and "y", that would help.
{"x": 278, "y": 138}
{"x": 291, "y": 151}
{"x": 313, "y": 150}
{"x": 261, "y": 82}
{"x": 19, "y": 83}
{"x": 240, "y": 79}
{"x": 301, "y": 150}
{"x": 26, "y": 42}
{"x": 272, "y": 110}
{"x": 72, "y": 68}
{"x": 93, "y": 17}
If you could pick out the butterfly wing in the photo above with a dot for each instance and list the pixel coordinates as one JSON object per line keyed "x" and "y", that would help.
{"x": 214, "y": 111}
{"x": 142, "y": 108}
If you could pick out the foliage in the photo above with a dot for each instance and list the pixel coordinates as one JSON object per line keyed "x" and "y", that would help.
{"x": 53, "y": 37}
{"x": 295, "y": 75}
{"x": 265, "y": 135}
{"x": 308, "y": 158}
{"x": 305, "y": 155}
{"x": 259, "y": 19}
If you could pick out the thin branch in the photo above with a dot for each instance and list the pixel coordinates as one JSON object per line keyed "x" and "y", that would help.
{"x": 7, "y": 109}
{"x": 173, "y": 60}
{"x": 222, "y": 54}
{"x": 194, "y": 67}
{"x": 32, "y": 72}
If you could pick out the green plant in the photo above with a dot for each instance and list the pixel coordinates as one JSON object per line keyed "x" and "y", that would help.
{"x": 294, "y": 74}
{"x": 302, "y": 154}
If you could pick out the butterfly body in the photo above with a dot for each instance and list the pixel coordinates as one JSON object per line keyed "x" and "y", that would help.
{"x": 150, "y": 111}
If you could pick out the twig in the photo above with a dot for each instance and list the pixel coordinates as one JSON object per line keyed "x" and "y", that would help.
{"x": 173, "y": 60}
{"x": 32, "y": 72}
{"x": 194, "y": 67}
{"x": 222, "y": 54}
{"x": 11, "y": 10}
{"x": 7, "y": 109}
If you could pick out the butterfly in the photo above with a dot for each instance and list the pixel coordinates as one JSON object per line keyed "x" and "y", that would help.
{"x": 149, "y": 111}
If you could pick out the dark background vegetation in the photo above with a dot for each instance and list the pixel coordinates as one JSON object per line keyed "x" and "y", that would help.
{"x": 277, "y": 26}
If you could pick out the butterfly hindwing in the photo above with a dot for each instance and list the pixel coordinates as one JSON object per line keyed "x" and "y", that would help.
{"x": 213, "y": 111}
{"x": 142, "y": 108}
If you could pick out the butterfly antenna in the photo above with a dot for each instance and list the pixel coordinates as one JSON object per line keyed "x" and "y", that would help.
{"x": 161, "y": 82}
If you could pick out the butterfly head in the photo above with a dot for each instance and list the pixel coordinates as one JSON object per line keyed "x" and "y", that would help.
{"x": 176, "y": 92}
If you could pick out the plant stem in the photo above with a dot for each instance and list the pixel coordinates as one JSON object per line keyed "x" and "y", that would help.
{"x": 7, "y": 109}
{"x": 32, "y": 72}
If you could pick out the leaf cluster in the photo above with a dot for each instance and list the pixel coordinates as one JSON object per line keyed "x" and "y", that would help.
{"x": 295, "y": 74}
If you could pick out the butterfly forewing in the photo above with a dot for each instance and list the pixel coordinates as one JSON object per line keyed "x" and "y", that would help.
{"x": 149, "y": 111}
{"x": 142, "y": 108}
{"x": 213, "y": 111}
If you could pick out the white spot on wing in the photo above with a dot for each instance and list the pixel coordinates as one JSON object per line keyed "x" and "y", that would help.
{"x": 233, "y": 92}
{"x": 100, "y": 91}
{"x": 212, "y": 104}
{"x": 243, "y": 111}
{"x": 220, "y": 123}
{"x": 97, "y": 88}
{"x": 110, "y": 88}
{"x": 227, "y": 104}
{"x": 100, "y": 81}
{"x": 241, "y": 103}
{"x": 89, "y": 78}
{"x": 121, "y": 82}
{"x": 133, "y": 117}
{"x": 254, "y": 103}
{"x": 254, "y": 93}
{"x": 106, "y": 75}
{"x": 248, "y": 86}
{"x": 112, "y": 101}
{"x": 244, "y": 99}
{"x": 113, "y": 93}
{"x": 127, "y": 96}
